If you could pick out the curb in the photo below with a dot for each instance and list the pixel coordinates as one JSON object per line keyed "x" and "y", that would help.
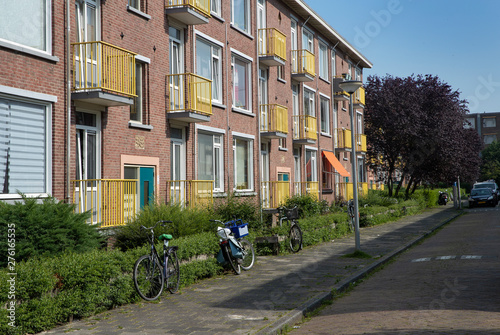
{"x": 296, "y": 315}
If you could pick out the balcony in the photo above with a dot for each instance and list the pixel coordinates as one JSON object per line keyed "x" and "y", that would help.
{"x": 360, "y": 143}
{"x": 272, "y": 47}
{"x": 306, "y": 188}
{"x": 190, "y": 98}
{"x": 303, "y": 65}
{"x": 346, "y": 190}
{"x": 338, "y": 93}
{"x": 274, "y": 193}
{"x": 103, "y": 74}
{"x": 359, "y": 97}
{"x": 344, "y": 140}
{"x": 190, "y": 193}
{"x": 273, "y": 121}
{"x": 111, "y": 202}
{"x": 304, "y": 129}
{"x": 189, "y": 11}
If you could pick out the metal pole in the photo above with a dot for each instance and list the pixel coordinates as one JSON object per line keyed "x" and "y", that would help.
{"x": 354, "y": 162}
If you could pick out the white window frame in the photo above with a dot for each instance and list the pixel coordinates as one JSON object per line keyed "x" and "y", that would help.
{"x": 314, "y": 163}
{"x": 216, "y": 74}
{"x": 217, "y": 10}
{"x": 238, "y": 56}
{"x": 216, "y": 147}
{"x": 28, "y": 24}
{"x": 246, "y": 5}
{"x": 250, "y": 139}
{"x": 334, "y": 63}
{"x": 45, "y": 101}
{"x": 325, "y": 115}
{"x": 309, "y": 96}
{"x": 323, "y": 61}
{"x": 141, "y": 86}
{"x": 307, "y": 40}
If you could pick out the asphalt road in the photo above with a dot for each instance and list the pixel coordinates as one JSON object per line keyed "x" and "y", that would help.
{"x": 449, "y": 284}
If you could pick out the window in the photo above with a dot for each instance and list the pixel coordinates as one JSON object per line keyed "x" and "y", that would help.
{"x": 282, "y": 143}
{"x": 488, "y": 139}
{"x": 325, "y": 115}
{"x": 281, "y": 72}
{"x": 215, "y": 7}
{"x": 210, "y": 160}
{"x": 27, "y": 23}
{"x": 311, "y": 168}
{"x": 470, "y": 123}
{"x": 307, "y": 40}
{"x": 357, "y": 74}
{"x": 243, "y": 164}
{"x": 241, "y": 83}
{"x": 25, "y": 154}
{"x": 136, "y": 110}
{"x": 208, "y": 65}
{"x": 309, "y": 108}
{"x": 140, "y": 5}
{"x": 489, "y": 122}
{"x": 240, "y": 17}
{"x": 328, "y": 174}
{"x": 323, "y": 61}
{"x": 334, "y": 64}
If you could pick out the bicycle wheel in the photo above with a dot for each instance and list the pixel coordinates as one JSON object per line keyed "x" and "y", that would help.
{"x": 248, "y": 254}
{"x": 295, "y": 237}
{"x": 231, "y": 259}
{"x": 173, "y": 272}
{"x": 148, "y": 277}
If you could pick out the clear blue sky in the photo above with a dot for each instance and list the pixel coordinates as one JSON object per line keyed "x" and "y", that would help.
{"x": 457, "y": 40}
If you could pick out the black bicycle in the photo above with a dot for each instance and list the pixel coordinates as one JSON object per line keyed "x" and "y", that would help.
{"x": 151, "y": 273}
{"x": 295, "y": 236}
{"x": 350, "y": 211}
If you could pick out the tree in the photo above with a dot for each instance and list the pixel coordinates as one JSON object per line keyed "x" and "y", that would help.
{"x": 490, "y": 166}
{"x": 415, "y": 132}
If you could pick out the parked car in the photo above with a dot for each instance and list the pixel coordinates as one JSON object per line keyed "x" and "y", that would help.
{"x": 489, "y": 184}
{"x": 482, "y": 196}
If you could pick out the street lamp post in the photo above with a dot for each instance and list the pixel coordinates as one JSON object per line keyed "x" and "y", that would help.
{"x": 350, "y": 87}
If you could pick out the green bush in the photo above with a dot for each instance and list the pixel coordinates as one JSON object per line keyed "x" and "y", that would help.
{"x": 244, "y": 208}
{"x": 44, "y": 228}
{"x": 308, "y": 205}
{"x": 185, "y": 222}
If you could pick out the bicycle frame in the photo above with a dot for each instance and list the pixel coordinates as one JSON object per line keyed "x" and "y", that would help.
{"x": 154, "y": 254}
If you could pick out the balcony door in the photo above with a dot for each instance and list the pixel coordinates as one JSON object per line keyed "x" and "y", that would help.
{"x": 87, "y": 154}
{"x": 264, "y": 173}
{"x": 295, "y": 107}
{"x": 261, "y": 24}
{"x": 264, "y": 108}
{"x": 176, "y": 82}
{"x": 178, "y": 165}
{"x": 88, "y": 29}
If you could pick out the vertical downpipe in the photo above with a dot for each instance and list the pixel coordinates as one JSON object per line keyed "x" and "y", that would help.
{"x": 68, "y": 101}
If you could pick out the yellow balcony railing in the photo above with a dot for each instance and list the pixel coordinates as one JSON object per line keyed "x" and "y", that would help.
{"x": 359, "y": 96}
{"x": 189, "y": 92}
{"x": 102, "y": 66}
{"x": 344, "y": 140}
{"x": 346, "y": 190}
{"x": 306, "y": 187}
{"x": 272, "y": 42}
{"x": 111, "y": 202}
{"x": 274, "y": 193}
{"x": 274, "y": 118}
{"x": 190, "y": 193}
{"x": 303, "y": 62}
{"x": 202, "y": 6}
{"x": 305, "y": 127}
{"x": 360, "y": 142}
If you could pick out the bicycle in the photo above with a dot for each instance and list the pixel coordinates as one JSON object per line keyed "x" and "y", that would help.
{"x": 234, "y": 249}
{"x": 150, "y": 273}
{"x": 295, "y": 235}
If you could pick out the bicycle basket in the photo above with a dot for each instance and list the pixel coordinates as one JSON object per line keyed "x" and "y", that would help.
{"x": 240, "y": 230}
{"x": 292, "y": 213}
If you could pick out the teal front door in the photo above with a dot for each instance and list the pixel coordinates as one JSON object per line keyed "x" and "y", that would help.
{"x": 146, "y": 185}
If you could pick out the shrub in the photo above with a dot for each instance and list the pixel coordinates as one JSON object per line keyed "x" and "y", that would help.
{"x": 240, "y": 208}
{"x": 307, "y": 204}
{"x": 185, "y": 222}
{"x": 45, "y": 228}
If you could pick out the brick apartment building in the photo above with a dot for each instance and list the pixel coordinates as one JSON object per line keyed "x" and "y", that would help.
{"x": 487, "y": 125}
{"x": 108, "y": 103}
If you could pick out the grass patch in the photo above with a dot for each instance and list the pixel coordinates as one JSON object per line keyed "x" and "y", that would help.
{"x": 358, "y": 254}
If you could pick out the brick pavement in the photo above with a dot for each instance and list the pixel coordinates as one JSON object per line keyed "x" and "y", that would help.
{"x": 274, "y": 293}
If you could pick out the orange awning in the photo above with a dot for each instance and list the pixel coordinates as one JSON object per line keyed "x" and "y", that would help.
{"x": 336, "y": 164}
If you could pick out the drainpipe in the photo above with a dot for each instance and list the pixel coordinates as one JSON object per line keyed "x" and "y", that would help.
{"x": 68, "y": 101}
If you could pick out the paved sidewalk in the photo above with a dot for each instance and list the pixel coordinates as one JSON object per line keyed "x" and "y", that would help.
{"x": 274, "y": 293}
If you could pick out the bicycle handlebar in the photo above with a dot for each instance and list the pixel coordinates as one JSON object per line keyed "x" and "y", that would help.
{"x": 161, "y": 223}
